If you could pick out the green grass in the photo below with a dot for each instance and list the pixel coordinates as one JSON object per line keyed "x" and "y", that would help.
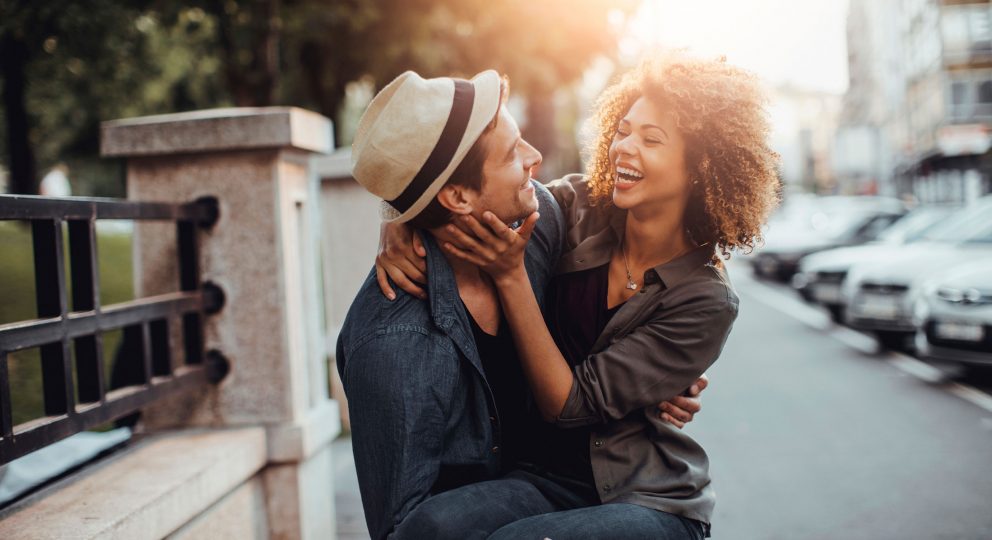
{"x": 17, "y": 303}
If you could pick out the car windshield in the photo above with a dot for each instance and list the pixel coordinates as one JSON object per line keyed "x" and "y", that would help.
{"x": 915, "y": 224}
{"x": 968, "y": 222}
{"x": 833, "y": 217}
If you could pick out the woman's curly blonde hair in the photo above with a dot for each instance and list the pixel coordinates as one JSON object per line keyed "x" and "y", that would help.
{"x": 719, "y": 110}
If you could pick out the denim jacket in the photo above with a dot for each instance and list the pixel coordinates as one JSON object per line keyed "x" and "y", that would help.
{"x": 422, "y": 414}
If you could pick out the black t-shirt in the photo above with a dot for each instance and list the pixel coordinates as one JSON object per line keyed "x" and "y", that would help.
{"x": 576, "y": 314}
{"x": 516, "y": 415}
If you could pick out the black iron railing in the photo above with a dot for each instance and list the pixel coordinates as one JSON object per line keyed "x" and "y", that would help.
{"x": 145, "y": 321}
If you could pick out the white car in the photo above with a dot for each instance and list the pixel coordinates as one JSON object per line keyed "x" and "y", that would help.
{"x": 879, "y": 295}
{"x": 821, "y": 274}
{"x": 953, "y": 316}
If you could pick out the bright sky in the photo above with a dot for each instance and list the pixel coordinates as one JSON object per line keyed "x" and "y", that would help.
{"x": 784, "y": 41}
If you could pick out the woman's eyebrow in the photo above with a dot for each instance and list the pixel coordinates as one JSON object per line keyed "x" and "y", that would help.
{"x": 646, "y": 126}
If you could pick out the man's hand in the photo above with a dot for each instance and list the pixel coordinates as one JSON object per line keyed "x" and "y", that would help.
{"x": 680, "y": 410}
{"x": 402, "y": 257}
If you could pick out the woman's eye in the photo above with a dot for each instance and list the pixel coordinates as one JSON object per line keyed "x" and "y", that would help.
{"x": 621, "y": 133}
{"x": 650, "y": 140}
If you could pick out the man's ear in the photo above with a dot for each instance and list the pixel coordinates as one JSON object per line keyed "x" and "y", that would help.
{"x": 457, "y": 199}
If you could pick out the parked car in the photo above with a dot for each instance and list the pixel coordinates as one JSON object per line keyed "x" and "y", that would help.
{"x": 827, "y": 223}
{"x": 878, "y": 295}
{"x": 821, "y": 274}
{"x": 953, "y": 316}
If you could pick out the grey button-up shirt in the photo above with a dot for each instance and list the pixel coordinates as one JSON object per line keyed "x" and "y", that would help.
{"x": 656, "y": 346}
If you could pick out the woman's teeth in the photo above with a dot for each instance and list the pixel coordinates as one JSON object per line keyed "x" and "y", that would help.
{"x": 628, "y": 176}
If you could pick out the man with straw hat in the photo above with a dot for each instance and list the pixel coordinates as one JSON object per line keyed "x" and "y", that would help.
{"x": 425, "y": 407}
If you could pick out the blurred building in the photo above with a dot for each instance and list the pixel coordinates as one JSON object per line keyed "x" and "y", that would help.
{"x": 804, "y": 122}
{"x": 870, "y": 132}
{"x": 917, "y": 117}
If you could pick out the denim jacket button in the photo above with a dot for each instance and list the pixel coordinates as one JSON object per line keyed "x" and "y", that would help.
{"x": 492, "y": 419}
{"x": 598, "y": 444}
{"x": 495, "y": 449}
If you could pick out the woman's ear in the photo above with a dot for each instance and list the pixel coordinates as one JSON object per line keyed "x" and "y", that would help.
{"x": 457, "y": 199}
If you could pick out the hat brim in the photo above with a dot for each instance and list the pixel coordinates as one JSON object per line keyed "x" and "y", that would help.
{"x": 484, "y": 108}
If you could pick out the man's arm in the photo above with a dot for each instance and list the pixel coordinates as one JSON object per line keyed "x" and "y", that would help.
{"x": 398, "y": 423}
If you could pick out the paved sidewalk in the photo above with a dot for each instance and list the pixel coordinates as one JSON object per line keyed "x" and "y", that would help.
{"x": 347, "y": 501}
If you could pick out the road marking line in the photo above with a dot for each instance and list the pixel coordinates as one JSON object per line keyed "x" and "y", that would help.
{"x": 914, "y": 367}
{"x": 972, "y": 395}
{"x": 818, "y": 320}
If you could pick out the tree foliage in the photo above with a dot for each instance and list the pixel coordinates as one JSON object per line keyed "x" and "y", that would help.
{"x": 85, "y": 62}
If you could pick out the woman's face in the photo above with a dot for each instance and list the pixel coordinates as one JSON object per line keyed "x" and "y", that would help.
{"x": 648, "y": 160}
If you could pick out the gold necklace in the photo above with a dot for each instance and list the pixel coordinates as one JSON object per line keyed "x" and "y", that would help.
{"x": 630, "y": 280}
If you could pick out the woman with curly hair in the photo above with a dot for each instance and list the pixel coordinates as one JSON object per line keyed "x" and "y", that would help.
{"x": 680, "y": 175}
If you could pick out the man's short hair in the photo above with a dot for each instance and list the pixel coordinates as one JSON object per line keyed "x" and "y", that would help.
{"x": 468, "y": 173}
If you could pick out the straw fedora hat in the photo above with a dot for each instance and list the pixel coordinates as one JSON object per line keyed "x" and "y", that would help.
{"x": 415, "y": 133}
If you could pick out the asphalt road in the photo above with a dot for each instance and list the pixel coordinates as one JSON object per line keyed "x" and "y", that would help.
{"x": 812, "y": 435}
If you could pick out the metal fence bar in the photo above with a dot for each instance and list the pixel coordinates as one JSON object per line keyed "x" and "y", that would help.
{"x": 85, "y": 274}
{"x": 161, "y": 351}
{"x": 6, "y": 417}
{"x": 189, "y": 279}
{"x": 26, "y": 334}
{"x": 59, "y": 332}
{"x": 50, "y": 294}
{"x": 27, "y": 207}
{"x": 44, "y": 431}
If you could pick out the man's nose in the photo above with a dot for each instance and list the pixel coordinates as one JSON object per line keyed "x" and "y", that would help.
{"x": 534, "y": 157}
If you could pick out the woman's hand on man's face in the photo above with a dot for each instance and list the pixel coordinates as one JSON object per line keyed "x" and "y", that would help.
{"x": 494, "y": 246}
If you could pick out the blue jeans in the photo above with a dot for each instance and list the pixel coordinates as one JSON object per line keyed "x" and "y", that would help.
{"x": 526, "y": 506}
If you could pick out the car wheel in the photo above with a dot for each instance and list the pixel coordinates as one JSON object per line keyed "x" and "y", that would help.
{"x": 836, "y": 314}
{"x": 893, "y": 341}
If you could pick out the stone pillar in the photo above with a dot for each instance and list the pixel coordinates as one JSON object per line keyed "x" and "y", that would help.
{"x": 349, "y": 240}
{"x": 263, "y": 253}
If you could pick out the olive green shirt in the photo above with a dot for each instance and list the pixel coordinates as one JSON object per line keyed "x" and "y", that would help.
{"x": 660, "y": 341}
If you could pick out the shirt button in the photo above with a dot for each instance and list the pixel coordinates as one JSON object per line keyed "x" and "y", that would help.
{"x": 598, "y": 443}
{"x": 495, "y": 449}
{"x": 607, "y": 487}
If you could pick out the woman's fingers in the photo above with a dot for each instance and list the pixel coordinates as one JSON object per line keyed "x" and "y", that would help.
{"x": 483, "y": 233}
{"x": 464, "y": 255}
{"x": 380, "y": 276}
{"x": 527, "y": 228}
{"x": 496, "y": 225}
{"x": 415, "y": 269}
{"x": 470, "y": 243}
{"x": 419, "y": 249}
{"x": 671, "y": 420}
{"x": 402, "y": 281}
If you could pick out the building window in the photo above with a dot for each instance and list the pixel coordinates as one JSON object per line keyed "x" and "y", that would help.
{"x": 985, "y": 92}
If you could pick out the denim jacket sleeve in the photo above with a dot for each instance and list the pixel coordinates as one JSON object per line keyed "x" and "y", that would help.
{"x": 397, "y": 436}
{"x": 654, "y": 362}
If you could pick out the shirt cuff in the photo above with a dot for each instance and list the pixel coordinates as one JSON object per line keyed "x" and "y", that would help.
{"x": 574, "y": 414}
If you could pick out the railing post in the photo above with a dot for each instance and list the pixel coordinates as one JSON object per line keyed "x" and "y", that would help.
{"x": 263, "y": 255}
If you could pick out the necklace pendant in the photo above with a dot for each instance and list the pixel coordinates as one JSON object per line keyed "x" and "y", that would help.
{"x": 631, "y": 285}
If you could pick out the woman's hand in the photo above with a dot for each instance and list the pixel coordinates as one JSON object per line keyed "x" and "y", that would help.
{"x": 402, "y": 257}
{"x": 494, "y": 247}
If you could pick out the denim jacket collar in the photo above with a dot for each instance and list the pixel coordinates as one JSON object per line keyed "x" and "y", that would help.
{"x": 447, "y": 310}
